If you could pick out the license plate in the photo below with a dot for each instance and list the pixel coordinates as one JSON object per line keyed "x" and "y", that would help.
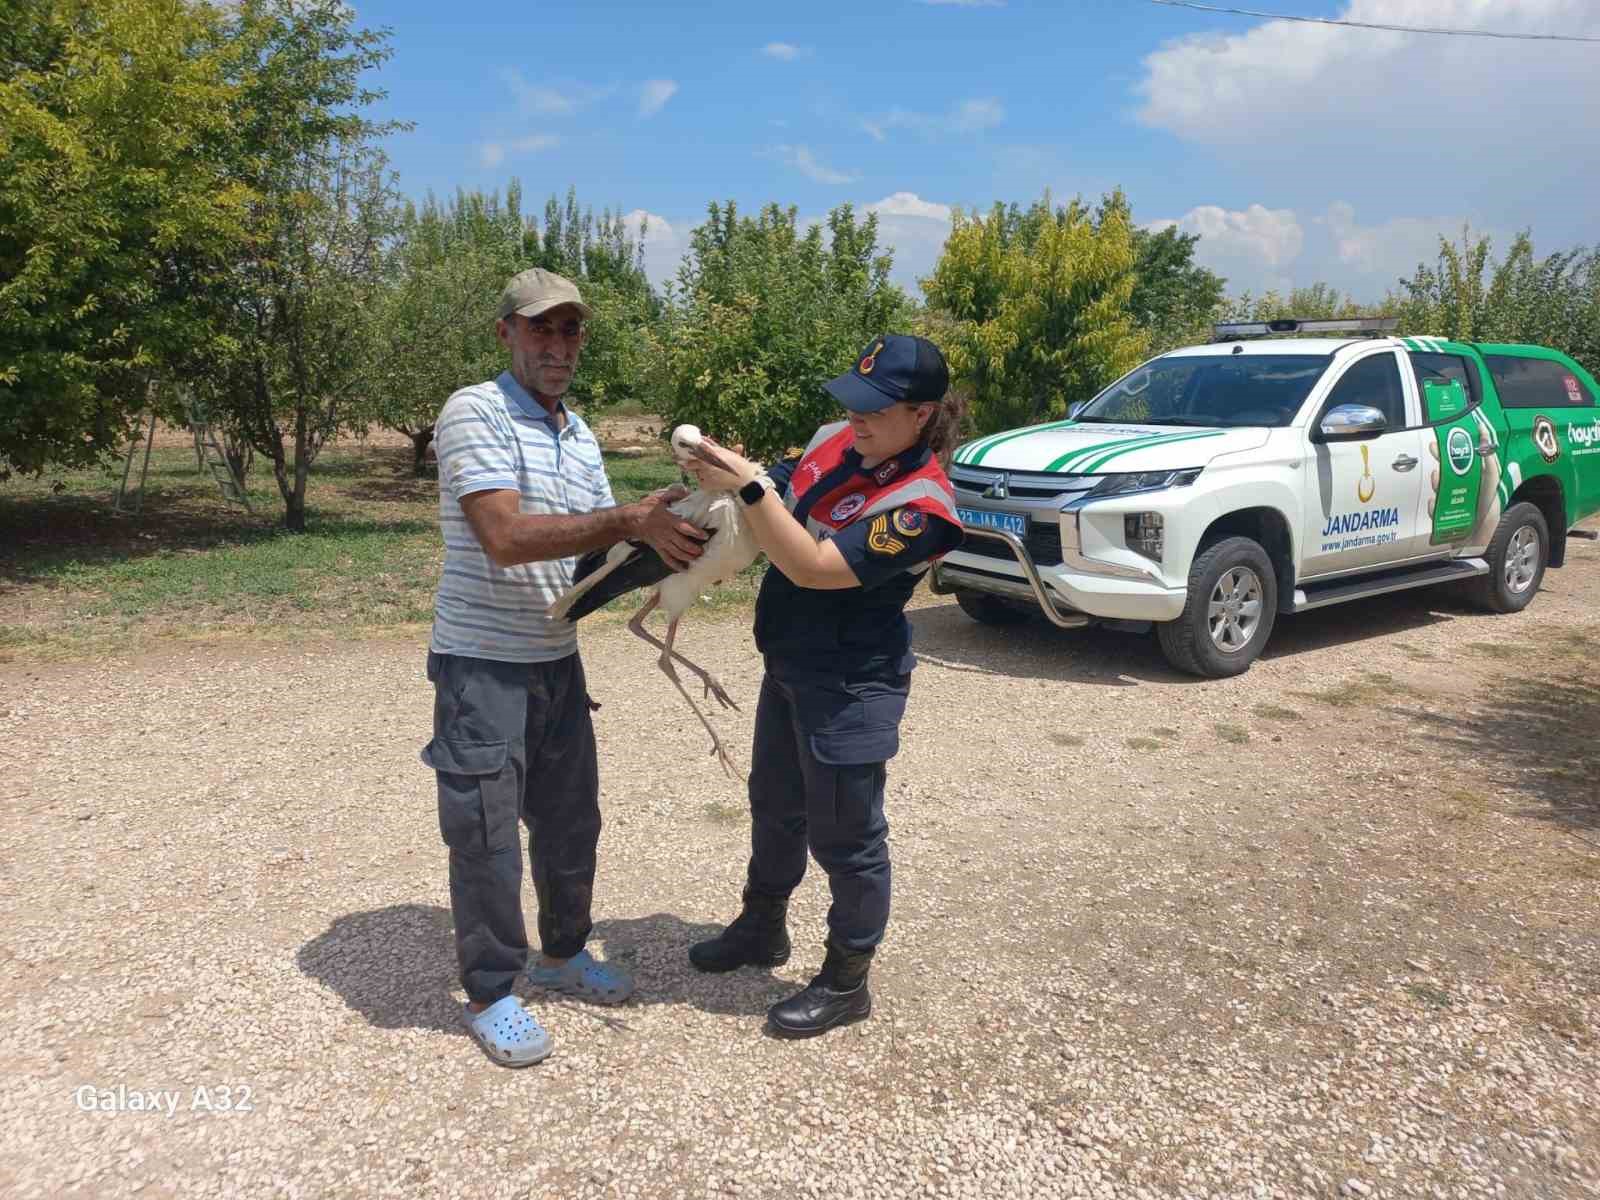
{"x": 1016, "y": 523}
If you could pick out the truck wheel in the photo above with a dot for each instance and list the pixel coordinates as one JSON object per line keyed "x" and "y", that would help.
{"x": 1233, "y": 602}
{"x": 1517, "y": 556}
{"x": 990, "y": 610}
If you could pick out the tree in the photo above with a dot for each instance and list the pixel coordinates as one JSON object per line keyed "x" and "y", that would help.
{"x": 1315, "y": 302}
{"x": 762, "y": 315}
{"x": 1174, "y": 299}
{"x": 1033, "y": 309}
{"x": 436, "y": 327}
{"x": 293, "y": 315}
{"x": 112, "y": 113}
{"x": 1465, "y": 294}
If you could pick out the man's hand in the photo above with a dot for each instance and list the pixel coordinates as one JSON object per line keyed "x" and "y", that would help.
{"x": 678, "y": 542}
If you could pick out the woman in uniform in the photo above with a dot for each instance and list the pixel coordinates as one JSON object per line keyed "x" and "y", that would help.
{"x": 850, "y": 526}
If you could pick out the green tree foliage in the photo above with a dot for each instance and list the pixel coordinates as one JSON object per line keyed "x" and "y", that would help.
{"x": 293, "y": 315}
{"x": 607, "y": 261}
{"x": 436, "y": 327}
{"x": 115, "y": 205}
{"x": 1316, "y": 302}
{"x": 763, "y": 314}
{"x": 1174, "y": 299}
{"x": 1467, "y": 295}
{"x": 1033, "y": 309}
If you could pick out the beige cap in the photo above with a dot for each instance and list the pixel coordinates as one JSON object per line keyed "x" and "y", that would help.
{"x": 536, "y": 290}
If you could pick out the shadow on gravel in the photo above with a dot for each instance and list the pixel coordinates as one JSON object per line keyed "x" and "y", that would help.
{"x": 1538, "y": 736}
{"x": 656, "y": 950}
{"x": 395, "y": 966}
{"x": 1038, "y": 650}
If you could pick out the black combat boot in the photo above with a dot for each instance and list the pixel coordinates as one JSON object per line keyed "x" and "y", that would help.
{"x": 837, "y": 996}
{"x": 758, "y": 937}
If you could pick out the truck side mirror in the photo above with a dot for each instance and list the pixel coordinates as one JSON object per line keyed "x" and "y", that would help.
{"x": 1351, "y": 423}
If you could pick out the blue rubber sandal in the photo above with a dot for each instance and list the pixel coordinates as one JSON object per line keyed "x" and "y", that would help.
{"x": 508, "y": 1033}
{"x": 584, "y": 977}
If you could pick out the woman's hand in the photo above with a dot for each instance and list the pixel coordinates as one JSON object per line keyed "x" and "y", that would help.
{"x": 720, "y": 469}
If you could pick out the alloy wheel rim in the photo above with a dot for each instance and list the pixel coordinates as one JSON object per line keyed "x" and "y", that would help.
{"x": 1234, "y": 613}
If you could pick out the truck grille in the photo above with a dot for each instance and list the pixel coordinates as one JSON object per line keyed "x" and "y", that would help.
{"x": 1043, "y": 543}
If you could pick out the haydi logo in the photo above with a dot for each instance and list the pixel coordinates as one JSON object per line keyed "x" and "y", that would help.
{"x": 1584, "y": 435}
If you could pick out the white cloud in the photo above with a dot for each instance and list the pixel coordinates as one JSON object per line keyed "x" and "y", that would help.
{"x": 1320, "y": 85}
{"x": 1391, "y": 248}
{"x": 915, "y": 229}
{"x": 909, "y": 204}
{"x": 802, "y": 160}
{"x": 1271, "y": 237}
{"x": 654, "y": 94}
{"x": 546, "y": 100}
{"x": 783, "y": 51}
{"x": 664, "y": 243}
{"x": 492, "y": 154}
{"x": 970, "y": 116}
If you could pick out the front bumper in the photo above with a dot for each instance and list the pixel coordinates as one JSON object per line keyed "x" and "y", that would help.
{"x": 1073, "y": 563}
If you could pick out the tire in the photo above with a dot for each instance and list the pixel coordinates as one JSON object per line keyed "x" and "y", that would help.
{"x": 990, "y": 610}
{"x": 1517, "y": 556}
{"x": 1234, "y": 572}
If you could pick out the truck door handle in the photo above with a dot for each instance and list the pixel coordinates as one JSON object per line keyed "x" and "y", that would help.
{"x": 1404, "y": 463}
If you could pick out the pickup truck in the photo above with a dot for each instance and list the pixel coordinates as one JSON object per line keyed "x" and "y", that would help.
{"x": 1217, "y": 486}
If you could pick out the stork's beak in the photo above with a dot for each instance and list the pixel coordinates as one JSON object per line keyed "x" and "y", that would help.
{"x": 710, "y": 457}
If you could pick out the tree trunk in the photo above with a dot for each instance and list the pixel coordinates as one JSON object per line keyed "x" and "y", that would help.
{"x": 420, "y": 441}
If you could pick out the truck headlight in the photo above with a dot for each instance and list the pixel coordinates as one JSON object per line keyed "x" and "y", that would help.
{"x": 1143, "y": 481}
{"x": 1145, "y": 532}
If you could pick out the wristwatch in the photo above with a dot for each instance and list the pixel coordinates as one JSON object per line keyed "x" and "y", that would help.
{"x": 752, "y": 492}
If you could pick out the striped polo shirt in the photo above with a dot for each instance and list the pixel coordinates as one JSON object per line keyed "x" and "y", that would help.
{"x": 490, "y": 436}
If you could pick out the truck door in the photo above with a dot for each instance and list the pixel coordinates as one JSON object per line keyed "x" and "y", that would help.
{"x": 1456, "y": 445}
{"x": 1364, "y": 496}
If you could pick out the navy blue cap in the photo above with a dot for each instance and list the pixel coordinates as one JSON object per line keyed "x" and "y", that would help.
{"x": 894, "y": 369}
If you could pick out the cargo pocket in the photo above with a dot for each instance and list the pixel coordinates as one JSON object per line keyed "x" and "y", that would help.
{"x": 855, "y": 725}
{"x": 478, "y": 800}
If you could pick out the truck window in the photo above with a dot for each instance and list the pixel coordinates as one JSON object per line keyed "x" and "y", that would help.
{"x": 1435, "y": 372}
{"x": 1536, "y": 383}
{"x": 1375, "y": 382}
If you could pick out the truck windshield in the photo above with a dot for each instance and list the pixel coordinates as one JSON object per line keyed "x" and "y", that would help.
{"x": 1214, "y": 390}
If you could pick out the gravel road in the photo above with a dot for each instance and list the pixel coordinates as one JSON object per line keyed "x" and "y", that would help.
{"x": 1328, "y": 929}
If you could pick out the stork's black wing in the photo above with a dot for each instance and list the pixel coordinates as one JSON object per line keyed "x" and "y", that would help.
{"x": 642, "y": 567}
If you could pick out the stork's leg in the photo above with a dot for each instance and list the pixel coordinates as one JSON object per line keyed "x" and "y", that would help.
{"x": 712, "y": 684}
{"x": 665, "y": 663}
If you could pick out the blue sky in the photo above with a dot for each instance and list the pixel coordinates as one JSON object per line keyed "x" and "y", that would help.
{"x": 1298, "y": 152}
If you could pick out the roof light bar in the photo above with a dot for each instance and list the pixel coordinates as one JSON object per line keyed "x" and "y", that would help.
{"x": 1232, "y": 331}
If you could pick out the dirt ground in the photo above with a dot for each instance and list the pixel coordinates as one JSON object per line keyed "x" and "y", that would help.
{"x": 1327, "y": 929}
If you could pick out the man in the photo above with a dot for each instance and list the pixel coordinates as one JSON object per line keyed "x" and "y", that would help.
{"x": 522, "y": 491}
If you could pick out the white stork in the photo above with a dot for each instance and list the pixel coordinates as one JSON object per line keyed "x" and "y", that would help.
{"x": 603, "y": 575}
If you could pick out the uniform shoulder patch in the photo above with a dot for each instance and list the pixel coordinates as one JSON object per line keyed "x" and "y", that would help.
{"x": 880, "y": 540}
{"x": 909, "y": 521}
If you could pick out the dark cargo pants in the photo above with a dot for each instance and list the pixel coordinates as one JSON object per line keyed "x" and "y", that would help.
{"x": 816, "y": 781}
{"x": 514, "y": 740}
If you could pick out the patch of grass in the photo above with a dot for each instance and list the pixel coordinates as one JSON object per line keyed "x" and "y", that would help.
{"x": 1418, "y": 653}
{"x": 1066, "y": 739}
{"x": 1462, "y": 805}
{"x": 1143, "y": 743}
{"x": 1365, "y": 690}
{"x": 724, "y": 814}
{"x": 190, "y": 564}
{"x": 1276, "y": 712}
{"x": 1166, "y": 732}
{"x": 1496, "y": 649}
{"x": 1236, "y": 734}
{"x": 1429, "y": 994}
{"x": 1584, "y": 868}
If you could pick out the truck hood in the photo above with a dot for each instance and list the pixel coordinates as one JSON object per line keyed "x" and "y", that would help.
{"x": 1074, "y": 448}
